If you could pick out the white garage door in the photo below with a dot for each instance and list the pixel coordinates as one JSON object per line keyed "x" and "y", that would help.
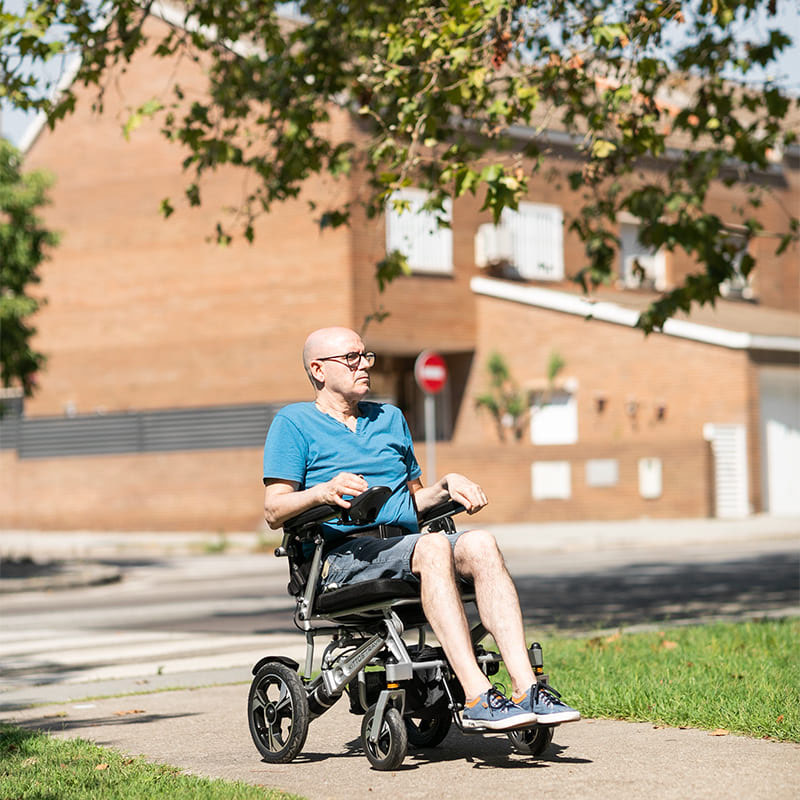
{"x": 780, "y": 440}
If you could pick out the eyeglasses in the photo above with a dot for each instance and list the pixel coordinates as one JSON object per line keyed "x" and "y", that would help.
{"x": 352, "y": 359}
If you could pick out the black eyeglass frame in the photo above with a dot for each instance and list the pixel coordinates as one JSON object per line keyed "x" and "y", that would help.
{"x": 352, "y": 360}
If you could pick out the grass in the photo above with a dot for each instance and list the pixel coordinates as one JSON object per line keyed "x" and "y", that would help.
{"x": 738, "y": 677}
{"x": 33, "y": 765}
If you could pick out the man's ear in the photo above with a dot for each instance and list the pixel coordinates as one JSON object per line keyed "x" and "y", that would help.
{"x": 317, "y": 374}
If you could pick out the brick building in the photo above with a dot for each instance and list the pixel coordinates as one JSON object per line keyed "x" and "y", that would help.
{"x": 168, "y": 355}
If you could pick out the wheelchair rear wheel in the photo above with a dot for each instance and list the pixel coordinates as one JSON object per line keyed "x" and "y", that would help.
{"x": 277, "y": 710}
{"x": 533, "y": 741}
{"x": 390, "y": 749}
{"x": 428, "y": 732}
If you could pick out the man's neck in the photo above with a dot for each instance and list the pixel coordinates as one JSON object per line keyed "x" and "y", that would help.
{"x": 339, "y": 408}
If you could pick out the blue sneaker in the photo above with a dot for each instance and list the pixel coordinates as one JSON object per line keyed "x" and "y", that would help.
{"x": 545, "y": 702}
{"x": 494, "y": 711}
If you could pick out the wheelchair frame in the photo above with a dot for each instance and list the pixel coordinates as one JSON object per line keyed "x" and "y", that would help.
{"x": 407, "y": 694}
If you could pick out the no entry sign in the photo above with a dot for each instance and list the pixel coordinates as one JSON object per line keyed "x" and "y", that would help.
{"x": 430, "y": 371}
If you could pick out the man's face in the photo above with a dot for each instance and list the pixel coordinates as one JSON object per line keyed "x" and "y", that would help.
{"x": 339, "y": 377}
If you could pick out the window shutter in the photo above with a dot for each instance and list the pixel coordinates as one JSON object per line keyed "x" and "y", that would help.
{"x": 417, "y": 234}
{"x": 537, "y": 234}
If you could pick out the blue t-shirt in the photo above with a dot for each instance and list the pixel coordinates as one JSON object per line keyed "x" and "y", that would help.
{"x": 310, "y": 447}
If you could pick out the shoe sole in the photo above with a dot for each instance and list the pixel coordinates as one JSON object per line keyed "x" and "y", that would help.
{"x": 517, "y": 721}
{"x": 559, "y": 717}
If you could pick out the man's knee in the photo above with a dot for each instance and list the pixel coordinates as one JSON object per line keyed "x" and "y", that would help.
{"x": 432, "y": 552}
{"x": 477, "y": 548}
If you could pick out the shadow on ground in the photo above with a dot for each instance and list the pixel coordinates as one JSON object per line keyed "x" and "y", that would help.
{"x": 653, "y": 592}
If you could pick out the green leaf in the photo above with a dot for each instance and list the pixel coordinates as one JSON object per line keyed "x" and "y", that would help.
{"x": 601, "y": 148}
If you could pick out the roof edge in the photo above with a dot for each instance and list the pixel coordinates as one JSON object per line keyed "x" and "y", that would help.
{"x": 605, "y": 311}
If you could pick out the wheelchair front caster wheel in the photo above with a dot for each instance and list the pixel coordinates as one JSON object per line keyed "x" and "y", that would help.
{"x": 390, "y": 749}
{"x": 428, "y": 732}
{"x": 277, "y": 710}
{"x": 531, "y": 741}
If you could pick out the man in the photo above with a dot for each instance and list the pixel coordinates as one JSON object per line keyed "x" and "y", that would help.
{"x": 337, "y": 447}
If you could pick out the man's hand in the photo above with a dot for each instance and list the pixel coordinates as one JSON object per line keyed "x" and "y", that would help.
{"x": 345, "y": 483}
{"x": 465, "y": 491}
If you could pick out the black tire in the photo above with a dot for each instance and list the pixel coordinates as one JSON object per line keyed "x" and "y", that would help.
{"x": 277, "y": 710}
{"x": 531, "y": 741}
{"x": 390, "y": 749}
{"x": 428, "y": 732}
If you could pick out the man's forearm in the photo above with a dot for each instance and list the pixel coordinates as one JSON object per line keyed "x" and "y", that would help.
{"x": 451, "y": 486}
{"x": 428, "y": 496}
{"x": 278, "y": 507}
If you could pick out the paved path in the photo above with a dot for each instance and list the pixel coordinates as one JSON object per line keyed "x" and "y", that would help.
{"x": 204, "y": 731}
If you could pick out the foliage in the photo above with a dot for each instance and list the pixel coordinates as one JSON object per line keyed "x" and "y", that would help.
{"x": 554, "y": 365}
{"x": 504, "y": 400}
{"x": 24, "y": 243}
{"x": 457, "y": 97}
{"x": 37, "y": 766}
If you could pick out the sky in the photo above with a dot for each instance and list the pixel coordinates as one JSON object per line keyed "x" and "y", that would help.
{"x": 14, "y": 124}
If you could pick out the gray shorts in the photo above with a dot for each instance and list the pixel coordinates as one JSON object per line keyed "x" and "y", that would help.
{"x": 368, "y": 558}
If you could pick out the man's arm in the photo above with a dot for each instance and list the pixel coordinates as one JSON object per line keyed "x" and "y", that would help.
{"x": 282, "y": 500}
{"x": 449, "y": 487}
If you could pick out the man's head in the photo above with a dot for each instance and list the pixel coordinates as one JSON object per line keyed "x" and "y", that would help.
{"x": 325, "y": 358}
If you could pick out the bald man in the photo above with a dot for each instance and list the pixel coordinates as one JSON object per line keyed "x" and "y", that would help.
{"x": 334, "y": 448}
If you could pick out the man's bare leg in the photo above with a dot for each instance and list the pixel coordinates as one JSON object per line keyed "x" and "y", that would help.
{"x": 478, "y": 557}
{"x": 433, "y": 562}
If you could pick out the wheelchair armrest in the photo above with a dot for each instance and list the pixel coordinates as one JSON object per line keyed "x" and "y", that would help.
{"x": 310, "y": 518}
{"x": 363, "y": 510}
{"x": 433, "y": 517}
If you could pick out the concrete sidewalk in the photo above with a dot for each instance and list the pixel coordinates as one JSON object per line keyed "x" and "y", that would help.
{"x": 204, "y": 731}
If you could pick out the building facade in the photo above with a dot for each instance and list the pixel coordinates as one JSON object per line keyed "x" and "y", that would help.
{"x": 168, "y": 354}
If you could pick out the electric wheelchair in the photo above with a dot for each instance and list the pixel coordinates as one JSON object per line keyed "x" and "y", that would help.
{"x": 407, "y": 694}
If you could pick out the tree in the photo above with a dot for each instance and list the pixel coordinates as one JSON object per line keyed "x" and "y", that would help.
{"x": 508, "y": 405}
{"x": 442, "y": 90}
{"x": 24, "y": 243}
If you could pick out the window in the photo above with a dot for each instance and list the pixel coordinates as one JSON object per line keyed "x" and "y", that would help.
{"x": 537, "y": 240}
{"x": 530, "y": 241}
{"x": 738, "y": 286}
{"x": 640, "y": 266}
{"x": 417, "y": 234}
{"x": 650, "y": 483}
{"x": 551, "y": 480}
{"x": 602, "y": 472}
{"x": 554, "y": 418}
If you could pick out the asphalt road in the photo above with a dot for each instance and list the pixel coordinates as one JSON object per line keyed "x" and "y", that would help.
{"x": 580, "y": 590}
{"x": 183, "y": 621}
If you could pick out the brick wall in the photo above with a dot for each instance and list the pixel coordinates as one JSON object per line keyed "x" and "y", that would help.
{"x": 504, "y": 472}
{"x": 146, "y": 313}
{"x": 216, "y": 490}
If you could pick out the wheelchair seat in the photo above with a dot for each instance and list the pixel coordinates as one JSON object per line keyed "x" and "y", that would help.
{"x": 363, "y": 593}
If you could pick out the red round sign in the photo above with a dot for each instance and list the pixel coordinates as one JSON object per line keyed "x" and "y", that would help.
{"x": 430, "y": 370}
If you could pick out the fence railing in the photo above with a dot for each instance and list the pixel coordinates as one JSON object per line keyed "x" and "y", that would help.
{"x": 209, "y": 428}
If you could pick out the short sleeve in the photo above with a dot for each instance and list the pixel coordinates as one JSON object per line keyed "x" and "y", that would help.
{"x": 285, "y": 452}
{"x": 412, "y": 466}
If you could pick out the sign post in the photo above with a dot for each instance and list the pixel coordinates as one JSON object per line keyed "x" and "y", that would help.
{"x": 430, "y": 371}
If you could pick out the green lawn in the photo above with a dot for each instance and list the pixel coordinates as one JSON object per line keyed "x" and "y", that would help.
{"x": 741, "y": 677}
{"x": 34, "y": 766}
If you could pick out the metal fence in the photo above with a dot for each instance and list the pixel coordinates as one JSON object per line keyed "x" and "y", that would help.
{"x": 209, "y": 428}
